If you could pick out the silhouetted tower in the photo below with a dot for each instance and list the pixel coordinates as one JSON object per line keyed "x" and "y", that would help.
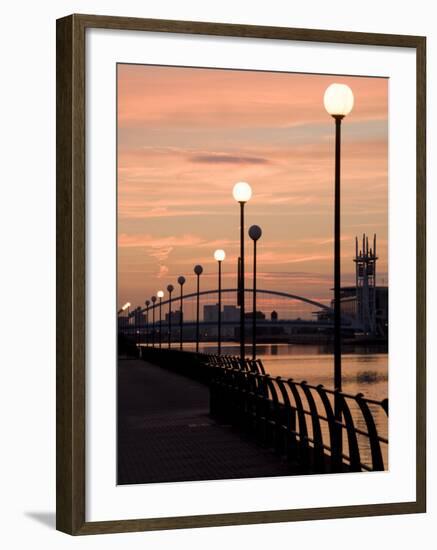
{"x": 365, "y": 263}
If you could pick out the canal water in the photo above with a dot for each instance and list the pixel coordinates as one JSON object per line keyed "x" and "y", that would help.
{"x": 364, "y": 370}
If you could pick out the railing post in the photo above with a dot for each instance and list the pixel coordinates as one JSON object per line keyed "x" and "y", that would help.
{"x": 375, "y": 448}
{"x": 302, "y": 433}
{"x": 354, "y": 450}
{"x": 318, "y": 450}
{"x": 336, "y": 458}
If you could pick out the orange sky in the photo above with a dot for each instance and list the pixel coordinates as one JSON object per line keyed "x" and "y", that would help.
{"x": 185, "y": 136}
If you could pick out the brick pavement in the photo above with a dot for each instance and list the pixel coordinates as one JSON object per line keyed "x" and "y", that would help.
{"x": 165, "y": 433}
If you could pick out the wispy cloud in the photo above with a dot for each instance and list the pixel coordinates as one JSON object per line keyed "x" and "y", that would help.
{"x": 163, "y": 272}
{"x": 153, "y": 241}
{"x": 227, "y": 159}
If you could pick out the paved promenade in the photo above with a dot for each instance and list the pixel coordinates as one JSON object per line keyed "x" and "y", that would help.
{"x": 166, "y": 434}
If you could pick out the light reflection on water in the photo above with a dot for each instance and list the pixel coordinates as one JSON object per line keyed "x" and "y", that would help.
{"x": 365, "y": 370}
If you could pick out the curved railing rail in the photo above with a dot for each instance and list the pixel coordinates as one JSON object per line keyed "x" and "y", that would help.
{"x": 296, "y": 419}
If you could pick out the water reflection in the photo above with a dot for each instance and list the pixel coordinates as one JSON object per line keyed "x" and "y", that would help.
{"x": 365, "y": 368}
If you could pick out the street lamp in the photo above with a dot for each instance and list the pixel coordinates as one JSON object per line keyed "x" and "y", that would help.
{"x": 170, "y": 289}
{"x": 153, "y": 318}
{"x": 255, "y": 233}
{"x": 181, "y": 281}
{"x": 147, "y": 302}
{"x": 338, "y": 101}
{"x": 198, "y": 270}
{"x": 125, "y": 307}
{"x": 242, "y": 192}
{"x": 160, "y": 295}
{"x": 219, "y": 255}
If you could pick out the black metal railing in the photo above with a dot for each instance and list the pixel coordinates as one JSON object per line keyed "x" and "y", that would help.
{"x": 296, "y": 419}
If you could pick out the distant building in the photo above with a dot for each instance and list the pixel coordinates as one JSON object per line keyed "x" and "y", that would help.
{"x": 365, "y": 261}
{"x": 231, "y": 314}
{"x": 382, "y": 309}
{"x": 175, "y": 316}
{"x": 137, "y": 317}
{"x": 210, "y": 313}
{"x": 351, "y": 306}
{"x": 364, "y": 303}
{"x": 258, "y": 315}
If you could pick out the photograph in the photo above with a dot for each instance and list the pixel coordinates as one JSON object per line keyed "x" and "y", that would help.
{"x": 252, "y": 274}
{"x": 220, "y": 214}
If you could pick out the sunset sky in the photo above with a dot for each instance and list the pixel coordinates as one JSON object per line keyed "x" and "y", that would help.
{"x": 185, "y": 136}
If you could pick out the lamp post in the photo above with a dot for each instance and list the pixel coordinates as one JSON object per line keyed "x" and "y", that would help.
{"x": 219, "y": 255}
{"x": 129, "y": 324}
{"x": 170, "y": 289}
{"x": 255, "y": 233}
{"x": 198, "y": 270}
{"x": 242, "y": 192}
{"x": 137, "y": 318}
{"x": 338, "y": 101}
{"x": 125, "y": 307}
{"x": 181, "y": 281}
{"x": 153, "y": 319}
{"x": 160, "y": 295}
{"x": 147, "y": 302}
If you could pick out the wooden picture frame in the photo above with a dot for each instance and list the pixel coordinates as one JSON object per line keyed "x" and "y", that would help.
{"x": 71, "y": 253}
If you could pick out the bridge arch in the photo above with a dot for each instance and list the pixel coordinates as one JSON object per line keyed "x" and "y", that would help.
{"x": 250, "y": 290}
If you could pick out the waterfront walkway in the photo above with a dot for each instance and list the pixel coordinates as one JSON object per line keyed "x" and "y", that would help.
{"x": 166, "y": 434}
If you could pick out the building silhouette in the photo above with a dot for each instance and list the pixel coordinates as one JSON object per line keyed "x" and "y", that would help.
{"x": 210, "y": 313}
{"x": 231, "y": 314}
{"x": 175, "y": 316}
